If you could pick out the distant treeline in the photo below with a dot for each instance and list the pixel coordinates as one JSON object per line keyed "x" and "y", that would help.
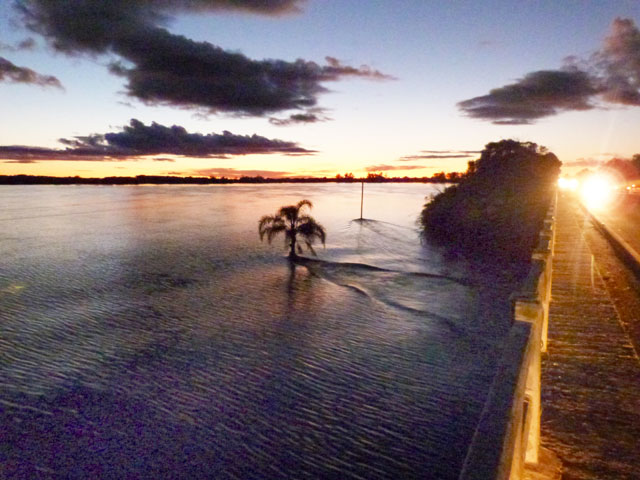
{"x": 624, "y": 169}
{"x": 441, "y": 177}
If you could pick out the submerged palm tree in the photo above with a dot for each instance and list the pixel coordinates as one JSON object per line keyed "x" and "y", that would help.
{"x": 290, "y": 221}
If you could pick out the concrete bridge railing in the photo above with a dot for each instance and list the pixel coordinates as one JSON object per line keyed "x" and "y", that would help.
{"x": 508, "y": 434}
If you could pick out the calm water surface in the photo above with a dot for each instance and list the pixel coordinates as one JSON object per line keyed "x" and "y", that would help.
{"x": 145, "y": 332}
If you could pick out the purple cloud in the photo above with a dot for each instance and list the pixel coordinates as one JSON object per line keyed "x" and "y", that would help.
{"x": 26, "y": 44}
{"x": 298, "y": 118}
{"x": 137, "y": 140}
{"x": 439, "y": 155}
{"x": 410, "y": 158}
{"x": 387, "y": 168}
{"x": 620, "y": 61}
{"x": 537, "y": 95}
{"x": 234, "y": 173}
{"x": 166, "y": 69}
{"x": 447, "y": 152}
{"x": 14, "y": 74}
{"x": 612, "y": 74}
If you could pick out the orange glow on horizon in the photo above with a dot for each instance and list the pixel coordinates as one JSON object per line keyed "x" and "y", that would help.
{"x": 271, "y": 167}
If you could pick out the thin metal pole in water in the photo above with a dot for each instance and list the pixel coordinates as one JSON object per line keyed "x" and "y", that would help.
{"x": 361, "y": 199}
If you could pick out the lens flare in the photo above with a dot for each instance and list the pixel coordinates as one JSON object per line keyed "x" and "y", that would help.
{"x": 597, "y": 191}
{"x": 565, "y": 183}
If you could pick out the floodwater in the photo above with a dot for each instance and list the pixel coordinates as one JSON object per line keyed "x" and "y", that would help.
{"x": 146, "y": 332}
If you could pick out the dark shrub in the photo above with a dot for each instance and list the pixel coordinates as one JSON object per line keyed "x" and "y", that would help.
{"x": 497, "y": 210}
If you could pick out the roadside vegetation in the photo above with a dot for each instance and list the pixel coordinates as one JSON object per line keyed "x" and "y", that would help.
{"x": 497, "y": 210}
{"x": 623, "y": 170}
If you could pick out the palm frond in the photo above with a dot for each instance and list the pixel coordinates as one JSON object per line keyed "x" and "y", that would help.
{"x": 310, "y": 247}
{"x": 263, "y": 224}
{"x": 289, "y": 212}
{"x": 274, "y": 230}
{"x": 304, "y": 202}
{"x": 310, "y": 230}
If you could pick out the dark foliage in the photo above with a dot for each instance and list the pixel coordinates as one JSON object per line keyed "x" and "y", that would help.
{"x": 497, "y": 210}
{"x": 623, "y": 169}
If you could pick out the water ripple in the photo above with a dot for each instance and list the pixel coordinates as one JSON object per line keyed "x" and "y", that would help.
{"x": 150, "y": 340}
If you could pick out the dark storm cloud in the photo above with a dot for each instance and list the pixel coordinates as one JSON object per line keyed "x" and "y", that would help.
{"x": 386, "y": 168}
{"x": 620, "y": 61}
{"x": 267, "y": 7}
{"x": 137, "y": 140}
{"x": 447, "y": 152}
{"x": 537, "y": 95}
{"x": 26, "y": 44}
{"x": 336, "y": 69}
{"x": 23, "y": 154}
{"x": 23, "y": 161}
{"x": 298, "y": 118}
{"x": 163, "y": 68}
{"x": 612, "y": 74}
{"x": 409, "y": 158}
{"x": 439, "y": 155}
{"x": 14, "y": 74}
{"x": 140, "y": 139}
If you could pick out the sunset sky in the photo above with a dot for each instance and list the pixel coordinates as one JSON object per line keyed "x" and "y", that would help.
{"x": 311, "y": 88}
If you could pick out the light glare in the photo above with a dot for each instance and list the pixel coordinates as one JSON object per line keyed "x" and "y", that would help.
{"x": 568, "y": 183}
{"x": 597, "y": 191}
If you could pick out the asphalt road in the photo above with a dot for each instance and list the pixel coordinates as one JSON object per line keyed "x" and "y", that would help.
{"x": 623, "y": 217}
{"x": 591, "y": 372}
{"x": 620, "y": 272}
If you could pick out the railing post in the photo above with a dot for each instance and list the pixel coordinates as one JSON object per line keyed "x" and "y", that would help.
{"x": 543, "y": 253}
{"x": 531, "y": 310}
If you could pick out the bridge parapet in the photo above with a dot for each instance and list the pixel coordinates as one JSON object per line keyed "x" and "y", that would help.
{"x": 508, "y": 434}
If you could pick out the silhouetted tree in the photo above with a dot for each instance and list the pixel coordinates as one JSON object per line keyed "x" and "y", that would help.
{"x": 376, "y": 177}
{"x": 292, "y": 223}
{"x": 471, "y": 167}
{"x": 622, "y": 168}
{"x": 439, "y": 177}
{"x": 498, "y": 207}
